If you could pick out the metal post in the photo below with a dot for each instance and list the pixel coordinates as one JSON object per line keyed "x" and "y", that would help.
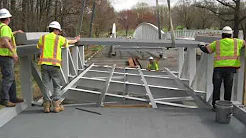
{"x": 82, "y": 52}
{"x": 26, "y": 81}
{"x": 72, "y": 69}
{"x": 209, "y": 76}
{"x": 238, "y": 83}
{"x": 65, "y": 63}
{"x": 191, "y": 53}
{"x": 181, "y": 60}
{"x": 75, "y": 57}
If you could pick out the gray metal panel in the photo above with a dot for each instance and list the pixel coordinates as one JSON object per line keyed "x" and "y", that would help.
{"x": 27, "y": 50}
{"x": 121, "y": 123}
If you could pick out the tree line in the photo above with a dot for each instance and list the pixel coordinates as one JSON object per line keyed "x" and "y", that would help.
{"x": 190, "y": 14}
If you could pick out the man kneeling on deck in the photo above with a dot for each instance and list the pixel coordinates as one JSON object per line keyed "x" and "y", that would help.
{"x": 153, "y": 65}
{"x": 50, "y": 60}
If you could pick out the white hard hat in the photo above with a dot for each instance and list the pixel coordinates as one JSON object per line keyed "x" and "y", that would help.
{"x": 55, "y": 25}
{"x": 151, "y": 58}
{"x": 227, "y": 30}
{"x": 4, "y": 13}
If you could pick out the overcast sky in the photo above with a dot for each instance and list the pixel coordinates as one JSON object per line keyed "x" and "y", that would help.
{"x": 127, "y": 4}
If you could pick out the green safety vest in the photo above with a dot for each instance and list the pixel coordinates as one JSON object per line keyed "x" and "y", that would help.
{"x": 153, "y": 66}
{"x": 227, "y": 52}
{"x": 51, "y": 48}
{"x": 5, "y": 31}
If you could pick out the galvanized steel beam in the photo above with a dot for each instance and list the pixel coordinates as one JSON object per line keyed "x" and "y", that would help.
{"x": 151, "y": 98}
{"x": 137, "y": 42}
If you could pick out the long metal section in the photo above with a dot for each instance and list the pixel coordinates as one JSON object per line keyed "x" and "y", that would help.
{"x": 31, "y": 48}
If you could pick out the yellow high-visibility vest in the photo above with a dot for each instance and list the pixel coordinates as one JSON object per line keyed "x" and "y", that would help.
{"x": 153, "y": 66}
{"x": 51, "y": 47}
{"x": 6, "y": 32}
{"x": 227, "y": 52}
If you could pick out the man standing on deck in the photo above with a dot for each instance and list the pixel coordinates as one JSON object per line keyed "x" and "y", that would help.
{"x": 50, "y": 60}
{"x": 8, "y": 57}
{"x": 226, "y": 62}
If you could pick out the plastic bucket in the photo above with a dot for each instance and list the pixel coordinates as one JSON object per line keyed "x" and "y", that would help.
{"x": 224, "y": 110}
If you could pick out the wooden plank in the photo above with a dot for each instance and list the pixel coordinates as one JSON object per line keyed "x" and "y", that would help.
{"x": 131, "y": 63}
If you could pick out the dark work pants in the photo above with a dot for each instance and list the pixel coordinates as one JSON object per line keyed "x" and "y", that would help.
{"x": 224, "y": 75}
{"x": 8, "y": 86}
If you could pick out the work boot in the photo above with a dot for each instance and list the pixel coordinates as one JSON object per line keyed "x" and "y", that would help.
{"x": 17, "y": 100}
{"x": 9, "y": 104}
{"x": 46, "y": 106}
{"x": 57, "y": 106}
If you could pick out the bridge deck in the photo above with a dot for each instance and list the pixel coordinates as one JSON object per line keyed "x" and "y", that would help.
{"x": 121, "y": 123}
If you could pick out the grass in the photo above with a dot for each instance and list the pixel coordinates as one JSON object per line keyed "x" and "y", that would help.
{"x": 123, "y": 32}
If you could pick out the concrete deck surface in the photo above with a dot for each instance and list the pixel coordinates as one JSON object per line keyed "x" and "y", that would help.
{"x": 121, "y": 123}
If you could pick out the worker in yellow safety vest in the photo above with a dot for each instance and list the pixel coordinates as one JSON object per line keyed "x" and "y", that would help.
{"x": 226, "y": 62}
{"x": 50, "y": 60}
{"x": 8, "y": 57}
{"x": 153, "y": 65}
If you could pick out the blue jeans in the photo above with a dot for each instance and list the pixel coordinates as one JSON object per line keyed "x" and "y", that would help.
{"x": 8, "y": 86}
{"x": 51, "y": 73}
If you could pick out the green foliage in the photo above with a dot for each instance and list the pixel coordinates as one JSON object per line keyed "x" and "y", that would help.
{"x": 165, "y": 29}
{"x": 180, "y": 27}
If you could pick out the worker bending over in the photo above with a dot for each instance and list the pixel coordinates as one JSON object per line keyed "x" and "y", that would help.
{"x": 153, "y": 65}
{"x": 50, "y": 60}
{"x": 226, "y": 62}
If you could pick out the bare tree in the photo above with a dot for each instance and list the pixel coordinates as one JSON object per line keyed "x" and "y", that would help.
{"x": 226, "y": 10}
{"x": 184, "y": 13}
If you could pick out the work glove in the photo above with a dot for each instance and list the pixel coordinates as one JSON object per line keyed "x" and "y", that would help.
{"x": 202, "y": 44}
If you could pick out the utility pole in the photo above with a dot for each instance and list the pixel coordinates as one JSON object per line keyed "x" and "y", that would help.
{"x": 92, "y": 17}
{"x": 79, "y": 28}
{"x": 158, "y": 19}
{"x": 56, "y": 6}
